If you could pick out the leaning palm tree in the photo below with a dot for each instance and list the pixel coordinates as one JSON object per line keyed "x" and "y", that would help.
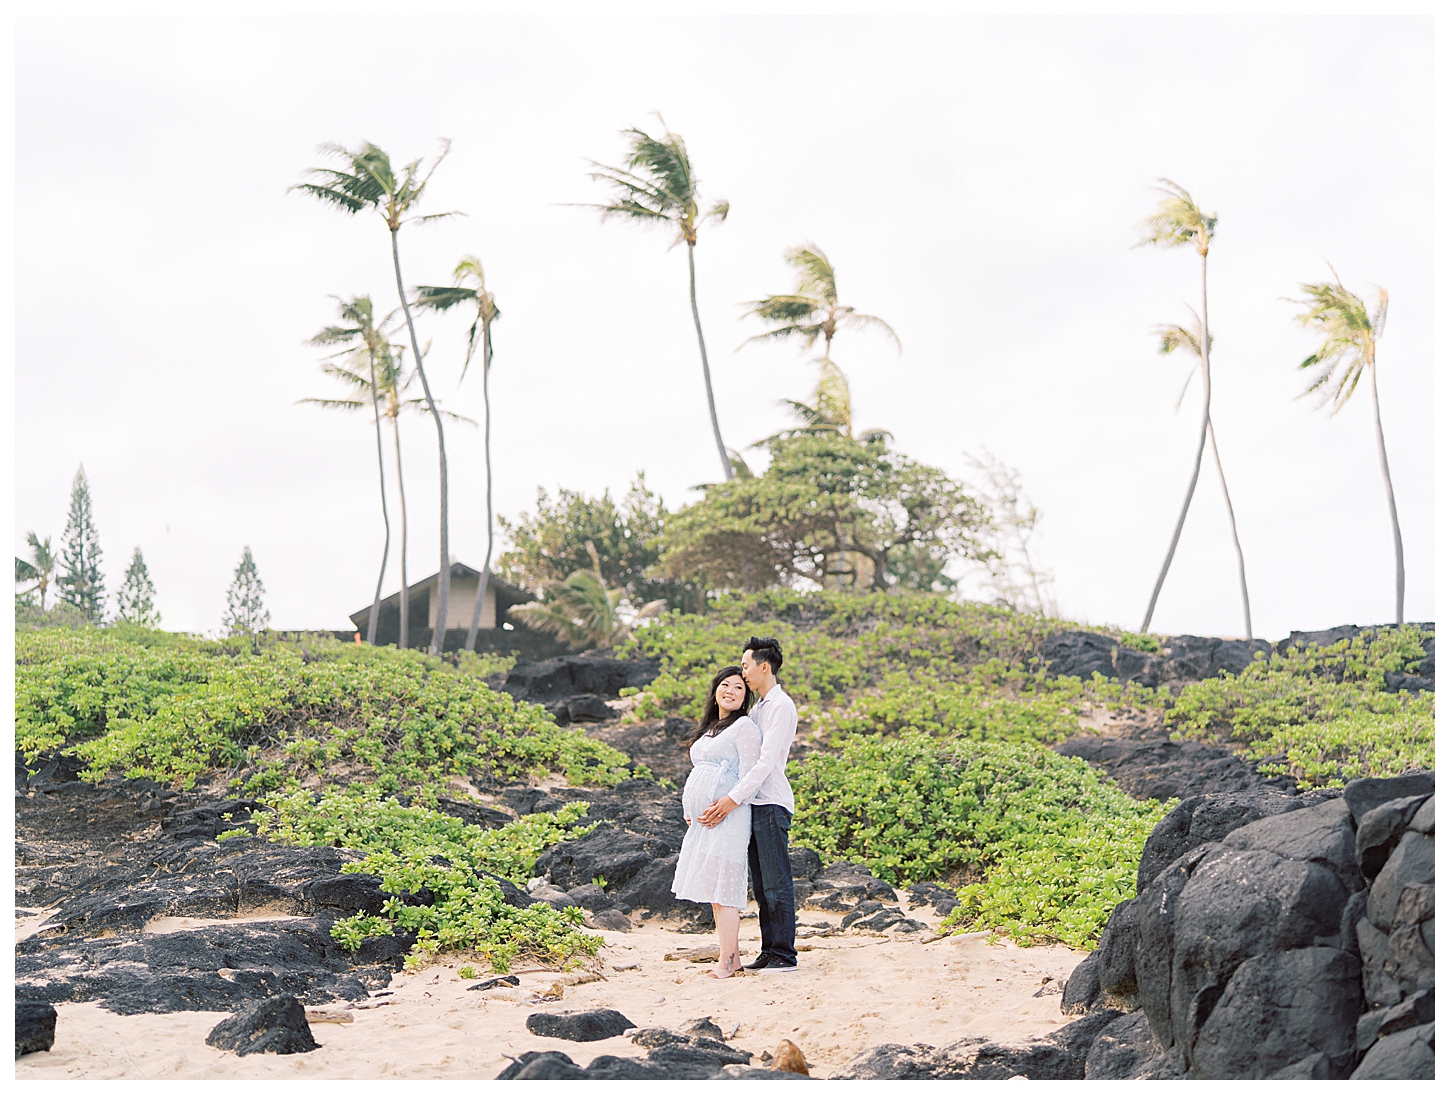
{"x": 657, "y": 185}
{"x": 39, "y": 568}
{"x": 368, "y": 181}
{"x": 1175, "y": 222}
{"x": 1351, "y": 334}
{"x": 1173, "y": 337}
{"x": 363, "y": 340}
{"x": 469, "y": 287}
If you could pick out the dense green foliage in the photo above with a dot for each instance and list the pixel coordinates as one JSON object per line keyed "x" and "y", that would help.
{"x": 1321, "y": 714}
{"x": 174, "y": 709}
{"x": 835, "y": 643}
{"x": 403, "y": 845}
{"x": 824, "y": 496}
{"x": 552, "y": 543}
{"x": 1049, "y": 845}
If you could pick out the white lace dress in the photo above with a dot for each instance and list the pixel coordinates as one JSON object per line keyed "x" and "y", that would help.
{"x": 713, "y": 865}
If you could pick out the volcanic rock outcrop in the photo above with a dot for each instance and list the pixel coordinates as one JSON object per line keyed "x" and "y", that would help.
{"x": 1274, "y": 937}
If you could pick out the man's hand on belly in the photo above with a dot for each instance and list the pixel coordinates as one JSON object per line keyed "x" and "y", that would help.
{"x": 717, "y": 811}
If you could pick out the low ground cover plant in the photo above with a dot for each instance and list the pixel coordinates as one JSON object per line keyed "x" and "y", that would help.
{"x": 175, "y": 710}
{"x": 413, "y": 848}
{"x": 1321, "y": 714}
{"x": 1049, "y": 846}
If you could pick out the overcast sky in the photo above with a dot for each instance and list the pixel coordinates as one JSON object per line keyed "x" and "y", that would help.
{"x": 977, "y": 182}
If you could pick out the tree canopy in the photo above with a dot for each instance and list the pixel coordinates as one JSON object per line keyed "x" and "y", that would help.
{"x": 898, "y": 522}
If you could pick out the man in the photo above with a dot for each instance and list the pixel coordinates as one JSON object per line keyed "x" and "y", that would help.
{"x": 772, "y": 804}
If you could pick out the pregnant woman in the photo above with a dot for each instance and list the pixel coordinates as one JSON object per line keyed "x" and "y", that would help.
{"x": 714, "y": 860}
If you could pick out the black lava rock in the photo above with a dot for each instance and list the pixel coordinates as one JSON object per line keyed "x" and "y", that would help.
{"x": 579, "y": 1026}
{"x": 34, "y": 1027}
{"x": 278, "y": 1025}
{"x": 596, "y": 674}
{"x": 1406, "y": 1055}
{"x": 1120, "y": 1049}
{"x": 1363, "y": 795}
{"x": 1380, "y": 830}
{"x": 1204, "y": 819}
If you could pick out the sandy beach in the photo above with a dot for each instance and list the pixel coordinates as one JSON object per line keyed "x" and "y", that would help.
{"x": 852, "y": 991}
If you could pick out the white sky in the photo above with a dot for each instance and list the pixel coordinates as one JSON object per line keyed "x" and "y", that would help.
{"x": 976, "y": 181}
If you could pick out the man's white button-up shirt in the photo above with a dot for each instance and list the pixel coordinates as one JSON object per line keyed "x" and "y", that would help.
{"x": 765, "y": 783}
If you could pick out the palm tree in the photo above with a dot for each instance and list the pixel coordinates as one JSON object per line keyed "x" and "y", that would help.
{"x": 1175, "y": 222}
{"x": 386, "y": 372}
{"x": 1351, "y": 334}
{"x": 39, "y": 567}
{"x": 657, "y": 185}
{"x": 582, "y": 610}
{"x": 1173, "y": 337}
{"x": 814, "y": 310}
{"x": 361, "y": 338}
{"x": 469, "y": 286}
{"x": 830, "y": 410}
{"x": 369, "y": 182}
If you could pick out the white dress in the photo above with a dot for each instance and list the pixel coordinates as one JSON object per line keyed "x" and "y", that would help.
{"x": 713, "y": 864}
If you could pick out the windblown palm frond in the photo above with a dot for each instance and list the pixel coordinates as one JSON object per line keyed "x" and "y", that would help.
{"x": 814, "y": 310}
{"x": 657, "y": 183}
{"x": 1350, "y": 331}
{"x": 1173, "y": 337}
{"x": 469, "y": 287}
{"x": 582, "y": 610}
{"x": 370, "y": 182}
{"x": 1177, "y": 220}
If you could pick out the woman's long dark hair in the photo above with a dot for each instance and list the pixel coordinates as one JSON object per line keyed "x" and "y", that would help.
{"x": 710, "y": 721}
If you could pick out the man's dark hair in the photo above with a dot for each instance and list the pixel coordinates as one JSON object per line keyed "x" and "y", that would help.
{"x": 766, "y": 650}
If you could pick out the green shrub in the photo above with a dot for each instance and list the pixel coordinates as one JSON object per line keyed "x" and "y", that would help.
{"x": 414, "y": 848}
{"x": 834, "y": 643}
{"x": 993, "y": 701}
{"x": 1051, "y": 846}
{"x": 268, "y": 714}
{"x": 1320, "y": 714}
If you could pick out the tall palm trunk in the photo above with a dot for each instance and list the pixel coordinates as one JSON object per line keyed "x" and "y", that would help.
{"x": 1234, "y": 530}
{"x": 1197, "y": 459}
{"x": 383, "y": 494}
{"x": 705, "y": 363}
{"x": 488, "y": 490}
{"x": 403, "y": 553}
{"x": 1379, "y": 435}
{"x": 444, "y": 564}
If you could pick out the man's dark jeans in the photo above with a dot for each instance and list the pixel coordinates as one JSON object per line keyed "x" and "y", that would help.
{"x": 771, "y": 880}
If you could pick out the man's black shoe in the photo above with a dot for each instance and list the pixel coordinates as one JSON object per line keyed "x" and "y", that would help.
{"x": 760, "y": 963}
{"x": 778, "y": 965}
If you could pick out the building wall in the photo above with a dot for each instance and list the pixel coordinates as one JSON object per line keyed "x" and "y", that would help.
{"x": 461, "y": 593}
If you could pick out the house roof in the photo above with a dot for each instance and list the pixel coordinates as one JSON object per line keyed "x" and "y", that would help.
{"x": 506, "y": 595}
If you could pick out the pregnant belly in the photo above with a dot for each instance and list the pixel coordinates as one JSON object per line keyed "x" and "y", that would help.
{"x": 705, "y": 785}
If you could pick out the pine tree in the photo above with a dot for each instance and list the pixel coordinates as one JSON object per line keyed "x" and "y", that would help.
{"x": 246, "y": 614}
{"x": 82, "y": 583}
{"x": 135, "y": 600}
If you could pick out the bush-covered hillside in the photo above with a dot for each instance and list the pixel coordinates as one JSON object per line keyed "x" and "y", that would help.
{"x": 926, "y": 724}
{"x": 266, "y": 715}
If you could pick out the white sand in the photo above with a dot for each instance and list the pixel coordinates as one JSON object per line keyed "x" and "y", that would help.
{"x": 850, "y": 993}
